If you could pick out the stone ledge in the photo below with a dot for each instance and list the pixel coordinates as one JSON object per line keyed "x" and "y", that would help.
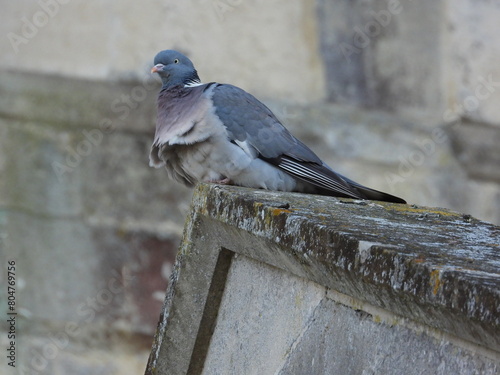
{"x": 431, "y": 266}
{"x": 79, "y": 103}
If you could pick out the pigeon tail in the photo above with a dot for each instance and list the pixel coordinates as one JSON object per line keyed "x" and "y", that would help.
{"x": 373, "y": 194}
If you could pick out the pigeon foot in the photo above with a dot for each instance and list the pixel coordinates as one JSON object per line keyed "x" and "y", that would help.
{"x": 224, "y": 181}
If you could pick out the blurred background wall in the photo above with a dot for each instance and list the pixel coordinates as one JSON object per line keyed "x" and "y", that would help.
{"x": 399, "y": 95}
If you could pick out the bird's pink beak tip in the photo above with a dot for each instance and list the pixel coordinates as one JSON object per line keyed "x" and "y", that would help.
{"x": 157, "y": 68}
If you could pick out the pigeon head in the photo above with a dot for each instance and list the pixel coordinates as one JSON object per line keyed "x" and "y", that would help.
{"x": 174, "y": 69}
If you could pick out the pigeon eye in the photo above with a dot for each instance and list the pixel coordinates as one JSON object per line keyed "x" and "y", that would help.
{"x": 176, "y": 61}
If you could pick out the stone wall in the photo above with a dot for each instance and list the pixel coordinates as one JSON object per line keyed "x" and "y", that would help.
{"x": 282, "y": 283}
{"x": 431, "y": 57}
{"x": 94, "y": 230}
{"x": 261, "y": 46}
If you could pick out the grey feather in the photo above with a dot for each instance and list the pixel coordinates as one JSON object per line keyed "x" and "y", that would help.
{"x": 179, "y": 111}
{"x": 248, "y": 119}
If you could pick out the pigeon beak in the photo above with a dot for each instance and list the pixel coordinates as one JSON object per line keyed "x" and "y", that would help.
{"x": 157, "y": 68}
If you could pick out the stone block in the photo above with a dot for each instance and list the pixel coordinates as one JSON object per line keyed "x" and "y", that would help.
{"x": 345, "y": 76}
{"x": 119, "y": 186}
{"x": 70, "y": 272}
{"x": 136, "y": 275}
{"x": 29, "y": 151}
{"x": 80, "y": 104}
{"x": 406, "y": 67}
{"x": 105, "y": 177}
{"x": 56, "y": 264}
{"x": 473, "y": 75}
{"x": 337, "y": 285}
{"x": 476, "y": 148}
{"x": 273, "y": 295}
{"x": 383, "y": 53}
{"x": 419, "y": 56}
{"x": 342, "y": 341}
{"x": 280, "y": 41}
{"x": 52, "y": 353}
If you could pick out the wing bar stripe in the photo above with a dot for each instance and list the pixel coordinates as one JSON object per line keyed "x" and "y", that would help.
{"x": 313, "y": 176}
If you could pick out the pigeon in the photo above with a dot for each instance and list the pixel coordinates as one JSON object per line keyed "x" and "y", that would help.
{"x": 212, "y": 132}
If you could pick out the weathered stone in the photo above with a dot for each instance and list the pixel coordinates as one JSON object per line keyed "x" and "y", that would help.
{"x": 137, "y": 274}
{"x": 473, "y": 76}
{"x": 125, "y": 286}
{"x": 418, "y": 269}
{"x": 119, "y": 185}
{"x": 32, "y": 179}
{"x": 283, "y": 29}
{"x": 344, "y": 61}
{"x": 477, "y": 148}
{"x": 277, "y": 300}
{"x": 83, "y": 105}
{"x": 403, "y": 156}
{"x": 52, "y": 252}
{"x": 83, "y": 215}
{"x": 373, "y": 53}
{"x": 54, "y": 352}
{"x": 330, "y": 338}
{"x": 406, "y": 68}
{"x": 342, "y": 341}
{"x": 420, "y": 56}
{"x": 53, "y": 172}
{"x": 393, "y": 54}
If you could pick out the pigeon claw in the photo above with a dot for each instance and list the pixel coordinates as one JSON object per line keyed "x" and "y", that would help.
{"x": 224, "y": 181}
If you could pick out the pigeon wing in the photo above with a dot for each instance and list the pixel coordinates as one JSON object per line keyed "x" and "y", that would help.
{"x": 253, "y": 126}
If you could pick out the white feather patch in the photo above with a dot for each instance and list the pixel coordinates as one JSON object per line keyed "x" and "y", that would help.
{"x": 248, "y": 148}
{"x": 193, "y": 84}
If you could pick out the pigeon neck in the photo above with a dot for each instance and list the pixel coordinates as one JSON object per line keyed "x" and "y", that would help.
{"x": 193, "y": 83}
{"x": 189, "y": 80}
